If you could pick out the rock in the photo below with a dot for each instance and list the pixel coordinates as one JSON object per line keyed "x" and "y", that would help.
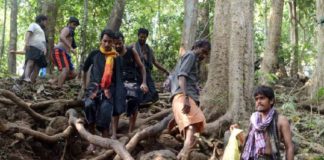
{"x": 159, "y": 155}
{"x": 168, "y": 140}
{"x": 19, "y": 136}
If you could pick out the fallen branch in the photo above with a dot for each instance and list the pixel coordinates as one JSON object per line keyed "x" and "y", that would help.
{"x": 97, "y": 140}
{"x": 147, "y": 132}
{"x": 24, "y": 105}
{"x": 36, "y": 134}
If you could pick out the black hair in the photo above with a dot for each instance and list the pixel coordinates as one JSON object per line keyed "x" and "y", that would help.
{"x": 264, "y": 90}
{"x": 40, "y": 18}
{"x": 74, "y": 20}
{"x": 201, "y": 43}
{"x": 142, "y": 31}
{"x": 119, "y": 34}
{"x": 107, "y": 32}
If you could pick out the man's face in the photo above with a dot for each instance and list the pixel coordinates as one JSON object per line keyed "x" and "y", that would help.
{"x": 107, "y": 42}
{"x": 203, "y": 52}
{"x": 142, "y": 38}
{"x": 44, "y": 24}
{"x": 119, "y": 45}
{"x": 73, "y": 25}
{"x": 263, "y": 103}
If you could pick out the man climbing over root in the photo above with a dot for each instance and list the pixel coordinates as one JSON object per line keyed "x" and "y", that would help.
{"x": 105, "y": 92}
{"x": 61, "y": 57}
{"x": 148, "y": 59}
{"x": 185, "y": 98}
{"x": 132, "y": 70}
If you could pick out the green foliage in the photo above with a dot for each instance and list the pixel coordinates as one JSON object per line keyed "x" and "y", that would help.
{"x": 269, "y": 77}
{"x": 319, "y": 94}
{"x": 288, "y": 102}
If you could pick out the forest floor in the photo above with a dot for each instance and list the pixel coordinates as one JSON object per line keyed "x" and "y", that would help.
{"x": 307, "y": 124}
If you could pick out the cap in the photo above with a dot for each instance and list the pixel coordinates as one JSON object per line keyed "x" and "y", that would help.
{"x": 73, "y": 19}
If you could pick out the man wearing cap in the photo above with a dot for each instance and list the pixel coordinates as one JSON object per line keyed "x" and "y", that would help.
{"x": 61, "y": 57}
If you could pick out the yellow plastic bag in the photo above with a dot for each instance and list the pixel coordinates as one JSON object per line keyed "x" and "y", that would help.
{"x": 232, "y": 149}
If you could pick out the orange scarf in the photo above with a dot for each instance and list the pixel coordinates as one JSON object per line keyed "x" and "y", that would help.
{"x": 108, "y": 72}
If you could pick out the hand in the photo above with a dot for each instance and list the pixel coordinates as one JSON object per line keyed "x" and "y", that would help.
{"x": 45, "y": 52}
{"x": 73, "y": 50}
{"x": 234, "y": 126}
{"x": 107, "y": 93}
{"x": 144, "y": 87}
{"x": 186, "y": 106}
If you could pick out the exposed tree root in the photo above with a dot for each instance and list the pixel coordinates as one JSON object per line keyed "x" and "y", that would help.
{"x": 147, "y": 132}
{"x": 36, "y": 134}
{"x": 219, "y": 123}
{"x": 97, "y": 140}
{"x": 21, "y": 103}
{"x": 154, "y": 117}
{"x": 314, "y": 146}
{"x": 61, "y": 102}
{"x": 6, "y": 101}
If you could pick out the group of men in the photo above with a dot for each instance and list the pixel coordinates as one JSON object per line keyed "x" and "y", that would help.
{"x": 120, "y": 80}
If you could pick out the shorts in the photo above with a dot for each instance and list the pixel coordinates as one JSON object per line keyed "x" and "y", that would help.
{"x": 62, "y": 59}
{"x": 37, "y": 56}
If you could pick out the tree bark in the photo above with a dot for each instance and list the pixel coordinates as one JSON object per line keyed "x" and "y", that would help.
{"x": 13, "y": 37}
{"x": 294, "y": 57}
{"x": 203, "y": 27}
{"x": 50, "y": 9}
{"x": 2, "y": 45}
{"x": 317, "y": 80}
{"x": 227, "y": 96}
{"x": 270, "y": 59}
{"x": 83, "y": 46}
{"x": 116, "y": 15}
{"x": 189, "y": 25}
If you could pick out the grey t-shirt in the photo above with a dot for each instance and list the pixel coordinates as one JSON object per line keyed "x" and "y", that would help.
{"x": 187, "y": 66}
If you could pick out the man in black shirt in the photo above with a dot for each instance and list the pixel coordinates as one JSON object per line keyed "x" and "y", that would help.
{"x": 131, "y": 67}
{"x": 105, "y": 93}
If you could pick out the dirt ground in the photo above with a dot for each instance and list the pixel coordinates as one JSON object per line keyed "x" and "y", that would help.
{"x": 307, "y": 126}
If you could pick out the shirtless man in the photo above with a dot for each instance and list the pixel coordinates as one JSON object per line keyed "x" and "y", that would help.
{"x": 61, "y": 56}
{"x": 267, "y": 126}
{"x": 148, "y": 59}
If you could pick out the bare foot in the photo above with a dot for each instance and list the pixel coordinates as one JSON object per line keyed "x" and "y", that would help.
{"x": 113, "y": 137}
{"x": 184, "y": 154}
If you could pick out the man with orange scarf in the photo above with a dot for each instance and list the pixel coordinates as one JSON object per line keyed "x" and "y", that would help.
{"x": 105, "y": 92}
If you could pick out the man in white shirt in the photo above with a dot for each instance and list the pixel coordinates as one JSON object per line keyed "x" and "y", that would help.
{"x": 35, "y": 48}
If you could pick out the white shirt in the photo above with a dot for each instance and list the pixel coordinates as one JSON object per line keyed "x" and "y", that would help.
{"x": 37, "y": 38}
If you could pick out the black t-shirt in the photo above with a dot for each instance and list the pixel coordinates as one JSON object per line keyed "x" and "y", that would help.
{"x": 130, "y": 69}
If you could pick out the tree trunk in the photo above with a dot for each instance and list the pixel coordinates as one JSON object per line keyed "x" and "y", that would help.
{"x": 317, "y": 80}
{"x": 13, "y": 37}
{"x": 2, "y": 45}
{"x": 203, "y": 27}
{"x": 270, "y": 59}
{"x": 189, "y": 25}
{"x": 83, "y": 46}
{"x": 294, "y": 58}
{"x": 116, "y": 15}
{"x": 227, "y": 95}
{"x": 50, "y": 8}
